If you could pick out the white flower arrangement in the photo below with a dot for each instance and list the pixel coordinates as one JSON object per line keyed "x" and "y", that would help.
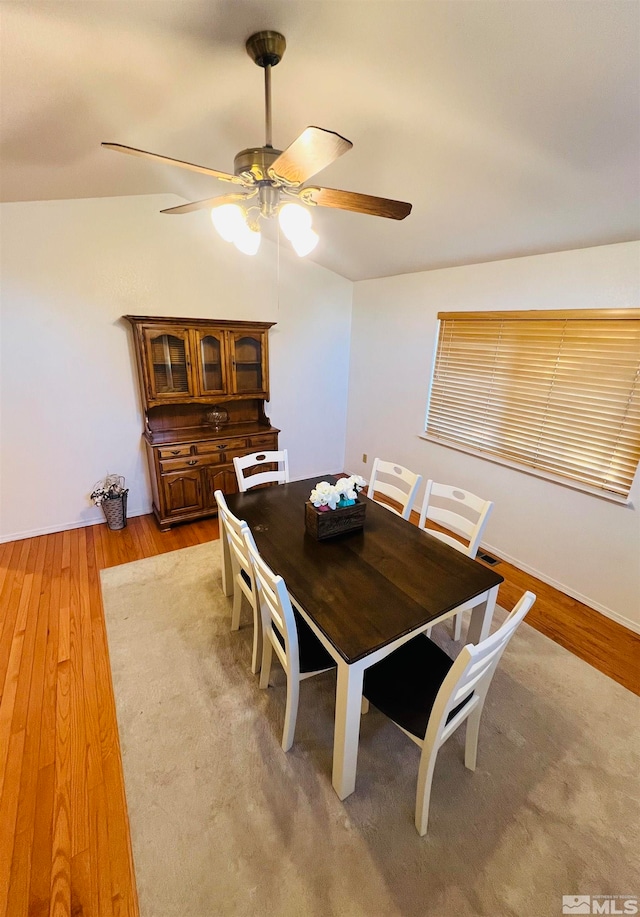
{"x": 344, "y": 492}
{"x": 108, "y": 489}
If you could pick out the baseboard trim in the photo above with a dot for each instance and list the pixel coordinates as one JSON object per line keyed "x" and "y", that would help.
{"x": 64, "y": 527}
{"x": 561, "y": 587}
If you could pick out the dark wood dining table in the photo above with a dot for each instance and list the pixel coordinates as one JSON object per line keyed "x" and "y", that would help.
{"x": 363, "y": 593}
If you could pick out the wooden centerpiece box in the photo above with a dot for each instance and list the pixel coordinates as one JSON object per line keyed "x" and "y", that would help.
{"x": 327, "y": 523}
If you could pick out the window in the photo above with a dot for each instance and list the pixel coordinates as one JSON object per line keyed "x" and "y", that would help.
{"x": 555, "y": 392}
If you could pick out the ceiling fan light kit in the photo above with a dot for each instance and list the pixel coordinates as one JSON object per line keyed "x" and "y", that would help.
{"x": 295, "y": 223}
{"x": 305, "y": 244}
{"x": 231, "y": 223}
{"x": 272, "y": 181}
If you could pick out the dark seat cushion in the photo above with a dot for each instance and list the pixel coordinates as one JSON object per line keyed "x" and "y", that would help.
{"x": 405, "y": 684}
{"x": 313, "y": 655}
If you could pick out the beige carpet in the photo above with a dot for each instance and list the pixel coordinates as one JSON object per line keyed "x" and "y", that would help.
{"x": 224, "y": 823}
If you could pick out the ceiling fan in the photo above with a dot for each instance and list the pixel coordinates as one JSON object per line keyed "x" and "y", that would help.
{"x": 272, "y": 181}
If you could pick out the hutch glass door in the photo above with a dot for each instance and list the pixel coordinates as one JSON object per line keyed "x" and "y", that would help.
{"x": 247, "y": 362}
{"x": 167, "y": 350}
{"x": 212, "y": 370}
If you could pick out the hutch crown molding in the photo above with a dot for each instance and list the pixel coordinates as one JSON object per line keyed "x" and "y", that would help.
{"x": 186, "y": 367}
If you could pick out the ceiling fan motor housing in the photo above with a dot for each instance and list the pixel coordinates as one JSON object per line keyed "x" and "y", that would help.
{"x": 255, "y": 160}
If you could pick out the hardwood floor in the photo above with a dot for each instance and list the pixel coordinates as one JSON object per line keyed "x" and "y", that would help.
{"x": 64, "y": 832}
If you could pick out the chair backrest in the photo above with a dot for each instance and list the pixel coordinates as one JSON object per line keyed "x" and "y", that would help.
{"x": 472, "y": 672}
{"x": 457, "y": 510}
{"x": 397, "y": 483}
{"x": 280, "y": 475}
{"x": 234, "y": 532}
{"x": 277, "y": 612}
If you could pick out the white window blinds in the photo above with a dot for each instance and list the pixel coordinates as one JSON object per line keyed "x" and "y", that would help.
{"x": 558, "y": 392}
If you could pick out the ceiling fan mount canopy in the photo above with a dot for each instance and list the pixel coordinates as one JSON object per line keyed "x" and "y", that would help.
{"x": 266, "y": 48}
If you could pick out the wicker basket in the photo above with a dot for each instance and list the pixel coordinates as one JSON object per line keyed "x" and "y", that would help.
{"x": 115, "y": 511}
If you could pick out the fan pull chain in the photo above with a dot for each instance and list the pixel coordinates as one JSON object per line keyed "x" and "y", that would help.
{"x": 278, "y": 274}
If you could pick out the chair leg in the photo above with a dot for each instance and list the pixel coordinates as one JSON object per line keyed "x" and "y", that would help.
{"x": 257, "y": 641}
{"x": 457, "y": 626}
{"x": 364, "y": 706}
{"x": 291, "y": 712}
{"x": 471, "y": 741}
{"x": 265, "y": 665}
{"x": 237, "y": 606}
{"x": 423, "y": 793}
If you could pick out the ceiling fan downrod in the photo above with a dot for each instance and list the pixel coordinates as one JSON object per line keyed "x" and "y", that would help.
{"x": 267, "y": 105}
{"x": 266, "y": 49}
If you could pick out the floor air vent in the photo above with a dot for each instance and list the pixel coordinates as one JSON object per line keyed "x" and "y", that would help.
{"x": 487, "y": 558}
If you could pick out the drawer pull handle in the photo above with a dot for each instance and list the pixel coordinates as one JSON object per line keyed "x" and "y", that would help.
{"x": 222, "y": 446}
{"x": 192, "y": 462}
{"x": 175, "y": 452}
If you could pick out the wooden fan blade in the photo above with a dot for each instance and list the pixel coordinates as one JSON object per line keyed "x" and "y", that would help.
{"x": 359, "y": 203}
{"x": 209, "y": 202}
{"x": 166, "y": 160}
{"x": 314, "y": 149}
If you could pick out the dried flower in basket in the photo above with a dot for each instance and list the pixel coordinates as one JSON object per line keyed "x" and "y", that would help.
{"x": 108, "y": 489}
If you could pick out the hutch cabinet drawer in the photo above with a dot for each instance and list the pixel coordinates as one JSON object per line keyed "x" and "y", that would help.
{"x": 179, "y": 464}
{"x": 222, "y": 446}
{"x": 190, "y": 462}
{"x": 269, "y": 441}
{"x": 174, "y": 452}
{"x": 232, "y": 453}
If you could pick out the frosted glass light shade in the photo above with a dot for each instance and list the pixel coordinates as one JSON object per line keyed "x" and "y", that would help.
{"x": 295, "y": 221}
{"x": 247, "y": 240}
{"x": 305, "y": 242}
{"x": 229, "y": 220}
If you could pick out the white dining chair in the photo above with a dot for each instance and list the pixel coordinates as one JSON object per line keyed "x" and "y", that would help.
{"x": 428, "y": 696}
{"x": 279, "y": 475}
{"x": 238, "y": 535}
{"x": 395, "y": 483}
{"x": 287, "y": 633}
{"x": 460, "y": 512}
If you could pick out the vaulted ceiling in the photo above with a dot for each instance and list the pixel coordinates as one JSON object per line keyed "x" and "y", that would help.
{"x": 512, "y": 127}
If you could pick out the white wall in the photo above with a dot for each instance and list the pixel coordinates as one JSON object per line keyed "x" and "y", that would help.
{"x": 585, "y": 545}
{"x": 69, "y": 404}
{"x": 70, "y": 409}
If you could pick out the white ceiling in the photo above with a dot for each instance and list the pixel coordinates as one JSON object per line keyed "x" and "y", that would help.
{"x": 512, "y": 127}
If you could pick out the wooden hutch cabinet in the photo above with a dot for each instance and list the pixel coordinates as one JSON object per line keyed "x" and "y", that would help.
{"x": 185, "y": 368}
